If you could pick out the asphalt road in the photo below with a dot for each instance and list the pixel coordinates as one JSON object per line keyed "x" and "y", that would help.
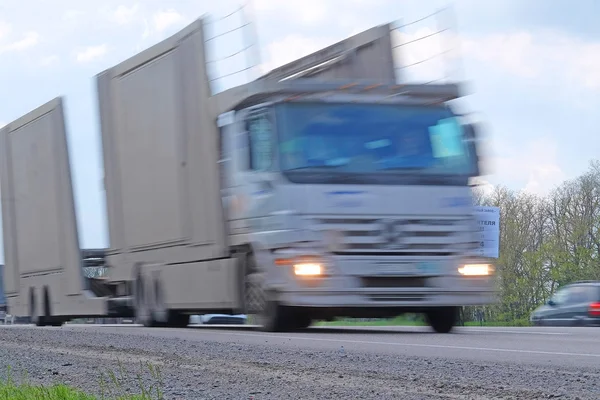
{"x": 546, "y": 346}
{"x": 395, "y": 362}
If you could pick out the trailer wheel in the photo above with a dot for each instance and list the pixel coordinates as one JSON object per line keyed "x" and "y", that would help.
{"x": 163, "y": 315}
{"x": 143, "y": 314}
{"x": 442, "y": 319}
{"x": 34, "y": 314}
{"x": 177, "y": 320}
{"x": 48, "y": 319}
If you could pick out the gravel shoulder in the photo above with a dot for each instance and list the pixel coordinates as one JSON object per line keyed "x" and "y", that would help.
{"x": 201, "y": 369}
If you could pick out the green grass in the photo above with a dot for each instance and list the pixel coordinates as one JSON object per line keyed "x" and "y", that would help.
{"x": 11, "y": 391}
{"x": 111, "y": 387}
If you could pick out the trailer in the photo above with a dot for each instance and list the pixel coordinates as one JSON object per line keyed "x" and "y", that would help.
{"x": 321, "y": 189}
{"x": 43, "y": 262}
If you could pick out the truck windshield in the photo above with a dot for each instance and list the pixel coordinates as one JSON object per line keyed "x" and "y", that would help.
{"x": 372, "y": 138}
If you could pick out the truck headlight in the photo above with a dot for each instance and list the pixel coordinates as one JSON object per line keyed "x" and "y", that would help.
{"x": 303, "y": 266}
{"x": 308, "y": 269}
{"x": 476, "y": 270}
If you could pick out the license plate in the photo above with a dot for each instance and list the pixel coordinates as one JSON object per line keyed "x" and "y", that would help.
{"x": 397, "y": 269}
{"x": 407, "y": 269}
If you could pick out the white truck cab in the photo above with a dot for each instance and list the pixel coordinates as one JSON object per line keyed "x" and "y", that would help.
{"x": 354, "y": 200}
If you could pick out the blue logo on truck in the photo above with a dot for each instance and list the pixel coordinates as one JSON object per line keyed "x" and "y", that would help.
{"x": 457, "y": 202}
{"x": 346, "y": 198}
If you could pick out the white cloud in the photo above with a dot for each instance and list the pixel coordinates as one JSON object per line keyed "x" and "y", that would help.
{"x": 509, "y": 51}
{"x": 71, "y": 15}
{"x": 163, "y": 20}
{"x": 304, "y": 11}
{"x": 587, "y": 65}
{"x": 92, "y": 53}
{"x": 124, "y": 15}
{"x": 50, "y": 61}
{"x": 547, "y": 56}
{"x": 5, "y": 30}
{"x": 28, "y": 40}
{"x": 290, "y": 48}
{"x": 534, "y": 165}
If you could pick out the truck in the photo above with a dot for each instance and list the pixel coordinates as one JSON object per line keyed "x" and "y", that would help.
{"x": 322, "y": 189}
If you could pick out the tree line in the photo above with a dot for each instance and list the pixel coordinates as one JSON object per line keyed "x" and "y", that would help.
{"x": 545, "y": 242}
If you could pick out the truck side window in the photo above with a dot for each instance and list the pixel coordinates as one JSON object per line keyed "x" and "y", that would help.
{"x": 261, "y": 142}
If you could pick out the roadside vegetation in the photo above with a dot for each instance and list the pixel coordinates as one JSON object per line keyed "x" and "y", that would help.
{"x": 111, "y": 386}
{"x": 545, "y": 242}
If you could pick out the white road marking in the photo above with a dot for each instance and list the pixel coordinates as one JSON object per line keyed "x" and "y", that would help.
{"x": 432, "y": 346}
{"x": 516, "y": 332}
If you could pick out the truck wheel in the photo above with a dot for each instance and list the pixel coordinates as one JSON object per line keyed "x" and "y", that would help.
{"x": 442, "y": 319}
{"x": 270, "y": 315}
{"x": 300, "y": 320}
{"x": 274, "y": 317}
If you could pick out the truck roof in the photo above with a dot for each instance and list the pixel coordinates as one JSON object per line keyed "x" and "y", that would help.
{"x": 262, "y": 90}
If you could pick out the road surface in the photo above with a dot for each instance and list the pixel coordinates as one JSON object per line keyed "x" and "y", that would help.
{"x": 320, "y": 363}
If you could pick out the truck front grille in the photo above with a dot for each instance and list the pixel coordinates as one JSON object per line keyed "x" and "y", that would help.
{"x": 401, "y": 236}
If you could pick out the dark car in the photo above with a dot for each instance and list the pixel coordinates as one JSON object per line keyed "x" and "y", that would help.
{"x": 577, "y": 304}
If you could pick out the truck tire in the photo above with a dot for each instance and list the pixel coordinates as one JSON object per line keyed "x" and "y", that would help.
{"x": 300, "y": 320}
{"x": 274, "y": 317}
{"x": 270, "y": 315}
{"x": 442, "y": 319}
{"x": 177, "y": 320}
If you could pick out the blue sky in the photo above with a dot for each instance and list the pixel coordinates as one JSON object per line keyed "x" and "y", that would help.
{"x": 534, "y": 69}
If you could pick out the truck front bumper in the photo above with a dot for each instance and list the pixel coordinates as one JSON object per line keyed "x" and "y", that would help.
{"x": 361, "y": 282}
{"x": 377, "y": 298}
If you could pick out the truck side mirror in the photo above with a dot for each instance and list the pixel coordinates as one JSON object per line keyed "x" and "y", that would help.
{"x": 471, "y": 137}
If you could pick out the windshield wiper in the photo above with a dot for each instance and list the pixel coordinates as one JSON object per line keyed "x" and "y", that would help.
{"x": 349, "y": 178}
{"x": 402, "y": 168}
{"x": 315, "y": 167}
{"x": 327, "y": 174}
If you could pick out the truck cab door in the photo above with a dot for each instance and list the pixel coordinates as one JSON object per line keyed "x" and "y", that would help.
{"x": 256, "y": 166}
